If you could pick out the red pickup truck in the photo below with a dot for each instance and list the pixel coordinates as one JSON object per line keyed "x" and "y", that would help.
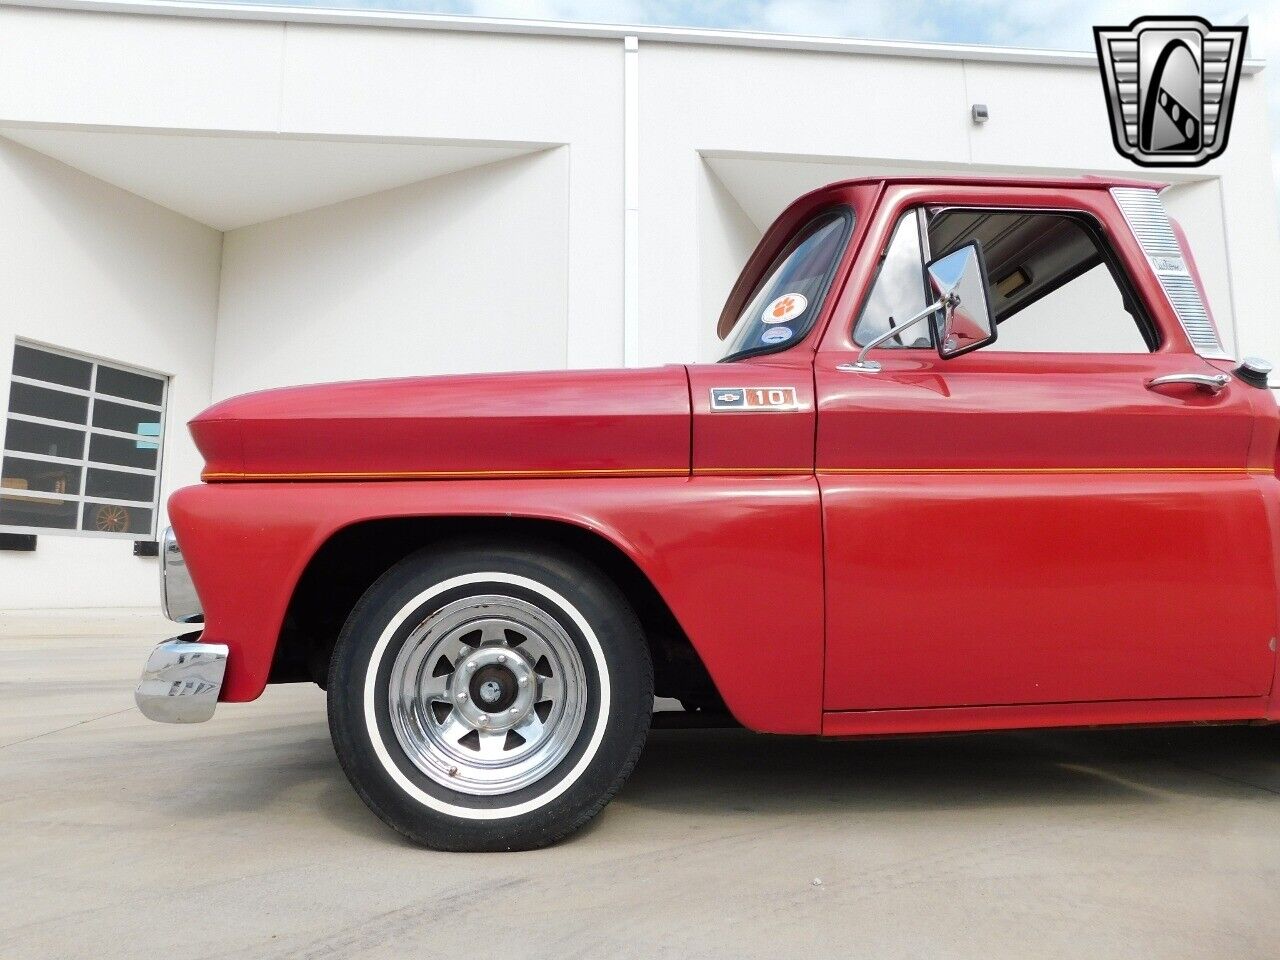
{"x": 974, "y": 458}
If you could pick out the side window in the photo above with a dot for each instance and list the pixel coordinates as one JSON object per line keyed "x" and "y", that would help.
{"x": 1054, "y": 286}
{"x": 899, "y": 291}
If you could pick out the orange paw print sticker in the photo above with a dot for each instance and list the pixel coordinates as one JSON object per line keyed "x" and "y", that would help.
{"x": 784, "y": 308}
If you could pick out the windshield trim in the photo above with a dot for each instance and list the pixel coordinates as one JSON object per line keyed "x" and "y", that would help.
{"x": 845, "y": 214}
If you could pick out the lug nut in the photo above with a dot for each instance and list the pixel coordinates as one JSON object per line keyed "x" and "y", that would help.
{"x": 463, "y": 651}
{"x": 462, "y": 695}
{"x": 483, "y": 719}
{"x": 502, "y": 658}
{"x": 514, "y": 711}
{"x": 524, "y": 681}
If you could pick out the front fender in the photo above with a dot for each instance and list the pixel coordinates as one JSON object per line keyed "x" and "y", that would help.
{"x": 737, "y": 560}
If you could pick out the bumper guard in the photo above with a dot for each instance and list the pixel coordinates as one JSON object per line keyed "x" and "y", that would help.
{"x": 181, "y": 681}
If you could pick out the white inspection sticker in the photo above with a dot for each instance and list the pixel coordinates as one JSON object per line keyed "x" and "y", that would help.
{"x": 784, "y": 308}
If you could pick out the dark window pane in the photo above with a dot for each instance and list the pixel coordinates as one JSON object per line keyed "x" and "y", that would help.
{"x": 19, "y": 511}
{"x": 119, "y": 416}
{"x": 50, "y": 404}
{"x": 131, "y": 386}
{"x": 113, "y": 518}
{"x": 792, "y": 292}
{"x": 126, "y": 453}
{"x": 42, "y": 438}
{"x": 112, "y": 485}
{"x": 39, "y": 365}
{"x": 20, "y": 474}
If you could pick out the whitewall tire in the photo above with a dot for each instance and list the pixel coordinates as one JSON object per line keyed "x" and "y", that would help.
{"x": 485, "y": 696}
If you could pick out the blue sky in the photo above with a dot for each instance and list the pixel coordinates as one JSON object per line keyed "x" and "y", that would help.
{"x": 1054, "y": 24}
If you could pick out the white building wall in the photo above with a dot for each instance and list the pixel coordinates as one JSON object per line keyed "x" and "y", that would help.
{"x": 215, "y": 77}
{"x": 461, "y": 273}
{"x": 726, "y": 238}
{"x": 423, "y": 84}
{"x": 161, "y": 73}
{"x": 91, "y": 268}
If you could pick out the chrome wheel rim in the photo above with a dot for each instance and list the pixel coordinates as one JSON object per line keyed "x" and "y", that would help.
{"x": 487, "y": 695}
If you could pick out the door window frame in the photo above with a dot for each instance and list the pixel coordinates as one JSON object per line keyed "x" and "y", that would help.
{"x": 1064, "y": 199}
{"x": 1148, "y": 329}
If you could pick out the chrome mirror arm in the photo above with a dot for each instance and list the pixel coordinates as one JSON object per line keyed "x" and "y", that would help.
{"x": 862, "y": 365}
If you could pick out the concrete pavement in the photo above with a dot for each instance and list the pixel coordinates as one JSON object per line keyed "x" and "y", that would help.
{"x": 241, "y": 838}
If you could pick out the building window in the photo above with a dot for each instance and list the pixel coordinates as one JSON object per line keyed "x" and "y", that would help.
{"x": 82, "y": 446}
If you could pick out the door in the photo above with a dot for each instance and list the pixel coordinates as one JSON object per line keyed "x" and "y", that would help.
{"x": 1036, "y": 522}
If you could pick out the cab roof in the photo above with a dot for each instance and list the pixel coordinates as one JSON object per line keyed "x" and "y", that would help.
{"x": 1084, "y": 182}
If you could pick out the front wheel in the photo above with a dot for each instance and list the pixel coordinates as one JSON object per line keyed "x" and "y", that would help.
{"x": 490, "y": 697}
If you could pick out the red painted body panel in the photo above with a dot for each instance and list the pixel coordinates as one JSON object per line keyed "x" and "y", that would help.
{"x": 754, "y": 443}
{"x": 1005, "y": 411}
{"x": 1083, "y": 578}
{"x": 950, "y": 590}
{"x": 738, "y": 560}
{"x": 997, "y": 540}
{"x": 1016, "y": 528}
{"x": 568, "y": 421}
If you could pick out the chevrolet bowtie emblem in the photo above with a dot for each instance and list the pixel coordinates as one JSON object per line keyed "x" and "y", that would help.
{"x": 1171, "y": 86}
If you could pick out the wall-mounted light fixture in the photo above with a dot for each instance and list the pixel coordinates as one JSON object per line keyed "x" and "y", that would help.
{"x": 979, "y": 113}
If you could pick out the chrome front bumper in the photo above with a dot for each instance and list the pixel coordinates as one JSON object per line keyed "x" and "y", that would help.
{"x": 181, "y": 681}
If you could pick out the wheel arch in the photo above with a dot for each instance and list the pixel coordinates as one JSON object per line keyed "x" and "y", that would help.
{"x": 353, "y": 557}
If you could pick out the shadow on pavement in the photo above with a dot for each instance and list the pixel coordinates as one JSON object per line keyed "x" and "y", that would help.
{"x": 706, "y": 772}
{"x": 698, "y": 770}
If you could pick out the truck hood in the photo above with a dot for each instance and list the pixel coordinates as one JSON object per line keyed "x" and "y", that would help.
{"x": 562, "y": 423}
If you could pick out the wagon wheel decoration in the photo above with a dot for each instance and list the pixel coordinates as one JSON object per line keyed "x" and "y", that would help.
{"x": 110, "y": 518}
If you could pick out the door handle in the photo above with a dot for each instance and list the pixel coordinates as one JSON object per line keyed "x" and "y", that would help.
{"x": 1215, "y": 383}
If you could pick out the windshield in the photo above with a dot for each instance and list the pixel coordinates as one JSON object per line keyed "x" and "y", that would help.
{"x": 788, "y": 301}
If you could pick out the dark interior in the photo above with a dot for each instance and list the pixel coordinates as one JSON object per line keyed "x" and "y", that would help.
{"x": 1033, "y": 254}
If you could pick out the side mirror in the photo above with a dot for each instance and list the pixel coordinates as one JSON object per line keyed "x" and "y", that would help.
{"x": 960, "y": 309}
{"x": 959, "y": 283}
